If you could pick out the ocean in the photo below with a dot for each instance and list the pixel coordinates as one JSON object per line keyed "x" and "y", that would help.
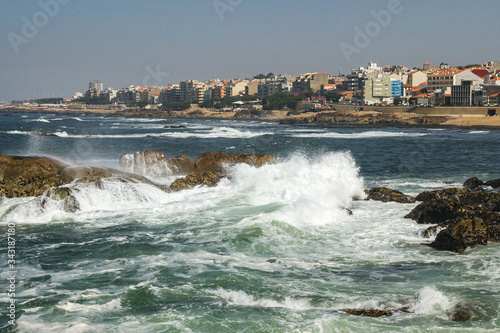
{"x": 272, "y": 249}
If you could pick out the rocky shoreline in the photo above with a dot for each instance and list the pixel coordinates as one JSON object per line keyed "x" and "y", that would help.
{"x": 460, "y": 218}
{"x": 354, "y": 119}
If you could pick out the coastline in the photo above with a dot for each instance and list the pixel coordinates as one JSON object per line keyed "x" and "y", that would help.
{"x": 347, "y": 118}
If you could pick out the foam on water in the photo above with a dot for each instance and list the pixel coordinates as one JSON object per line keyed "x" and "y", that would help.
{"x": 431, "y": 301}
{"x": 241, "y": 298}
{"x": 361, "y": 135}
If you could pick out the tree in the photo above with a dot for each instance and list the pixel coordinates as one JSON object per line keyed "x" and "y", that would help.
{"x": 259, "y": 77}
{"x": 270, "y": 76}
{"x": 397, "y": 100}
{"x": 332, "y": 96}
{"x": 280, "y": 101}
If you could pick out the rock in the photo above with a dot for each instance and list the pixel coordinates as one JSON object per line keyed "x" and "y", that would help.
{"x": 460, "y": 316}
{"x": 448, "y": 193}
{"x": 210, "y": 162}
{"x": 459, "y": 236}
{"x": 473, "y": 183}
{"x": 495, "y": 183}
{"x": 367, "y": 313}
{"x": 385, "y": 194}
{"x": 180, "y": 165}
{"x": 209, "y": 179}
{"x": 429, "y": 232}
{"x": 437, "y": 211}
{"x": 155, "y": 164}
{"x": 28, "y": 176}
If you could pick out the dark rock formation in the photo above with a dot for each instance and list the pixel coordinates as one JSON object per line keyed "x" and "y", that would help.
{"x": 28, "y": 176}
{"x": 210, "y": 162}
{"x": 32, "y": 176}
{"x": 459, "y": 236}
{"x": 387, "y": 195}
{"x": 473, "y": 183}
{"x": 460, "y": 316}
{"x": 472, "y": 217}
{"x": 448, "y": 193}
{"x": 209, "y": 179}
{"x": 437, "y": 211}
{"x": 368, "y": 313}
{"x": 494, "y": 183}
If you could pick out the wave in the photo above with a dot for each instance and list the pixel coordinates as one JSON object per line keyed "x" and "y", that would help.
{"x": 361, "y": 135}
{"x": 219, "y": 132}
{"x": 299, "y": 191}
{"x": 40, "y": 120}
{"x": 241, "y": 298}
{"x": 310, "y": 190}
{"x": 478, "y": 132}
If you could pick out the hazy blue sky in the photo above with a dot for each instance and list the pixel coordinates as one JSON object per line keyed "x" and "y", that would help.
{"x": 125, "y": 42}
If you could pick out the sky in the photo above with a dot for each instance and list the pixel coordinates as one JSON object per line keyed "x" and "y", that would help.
{"x": 54, "y": 48}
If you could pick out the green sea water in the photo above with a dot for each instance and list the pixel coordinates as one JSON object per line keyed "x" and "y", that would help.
{"x": 272, "y": 249}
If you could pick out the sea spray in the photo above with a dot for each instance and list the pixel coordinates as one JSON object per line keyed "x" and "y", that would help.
{"x": 311, "y": 190}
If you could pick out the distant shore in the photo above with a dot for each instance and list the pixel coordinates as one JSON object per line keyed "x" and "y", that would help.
{"x": 340, "y": 118}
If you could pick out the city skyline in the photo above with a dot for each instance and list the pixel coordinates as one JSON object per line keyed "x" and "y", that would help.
{"x": 55, "y": 47}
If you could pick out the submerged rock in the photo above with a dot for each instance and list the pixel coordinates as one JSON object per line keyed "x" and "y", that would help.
{"x": 460, "y": 316}
{"x": 368, "y": 313}
{"x": 459, "y": 236}
{"x": 385, "y": 194}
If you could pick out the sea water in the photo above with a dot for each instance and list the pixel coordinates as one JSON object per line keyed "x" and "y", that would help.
{"x": 272, "y": 249}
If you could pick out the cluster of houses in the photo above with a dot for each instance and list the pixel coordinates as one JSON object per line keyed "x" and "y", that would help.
{"x": 429, "y": 85}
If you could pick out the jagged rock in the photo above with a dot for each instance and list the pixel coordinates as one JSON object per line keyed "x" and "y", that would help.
{"x": 460, "y": 316}
{"x": 448, "y": 193}
{"x": 437, "y": 211}
{"x": 155, "y": 164}
{"x": 385, "y": 194}
{"x": 459, "y": 236}
{"x": 429, "y": 232}
{"x": 197, "y": 178}
{"x": 28, "y": 176}
{"x": 210, "y": 162}
{"x": 368, "y": 313}
{"x": 494, "y": 183}
{"x": 473, "y": 183}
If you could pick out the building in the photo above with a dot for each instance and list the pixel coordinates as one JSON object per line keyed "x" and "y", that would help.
{"x": 469, "y": 92}
{"x": 396, "y": 88}
{"x": 187, "y": 90}
{"x": 377, "y": 88}
{"x": 444, "y": 78}
{"x": 96, "y": 85}
{"x": 170, "y": 94}
{"x": 218, "y": 92}
{"x": 354, "y": 81}
{"x": 252, "y": 88}
{"x": 415, "y": 78}
{"x": 310, "y": 81}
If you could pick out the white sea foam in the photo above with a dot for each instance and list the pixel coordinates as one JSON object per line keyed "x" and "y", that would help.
{"x": 241, "y": 298}
{"x": 311, "y": 190}
{"x": 431, "y": 301}
{"x": 41, "y": 120}
{"x": 361, "y": 135}
{"x": 112, "y": 306}
{"x": 478, "y": 132}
